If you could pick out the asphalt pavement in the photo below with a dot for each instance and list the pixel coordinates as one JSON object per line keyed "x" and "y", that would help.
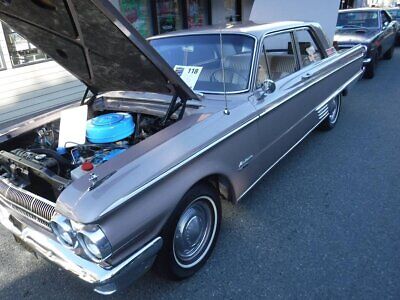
{"x": 324, "y": 223}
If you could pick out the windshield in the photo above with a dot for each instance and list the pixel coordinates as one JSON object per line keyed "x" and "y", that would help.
{"x": 359, "y": 19}
{"x": 204, "y": 51}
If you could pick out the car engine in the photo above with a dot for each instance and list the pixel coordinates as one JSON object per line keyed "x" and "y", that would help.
{"x": 35, "y": 161}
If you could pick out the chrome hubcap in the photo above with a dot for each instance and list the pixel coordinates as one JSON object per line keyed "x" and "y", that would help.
{"x": 334, "y": 108}
{"x": 194, "y": 232}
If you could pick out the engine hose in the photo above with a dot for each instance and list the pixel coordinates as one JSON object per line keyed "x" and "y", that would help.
{"x": 61, "y": 160}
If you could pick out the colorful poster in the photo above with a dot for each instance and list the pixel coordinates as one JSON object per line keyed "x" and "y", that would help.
{"x": 197, "y": 16}
{"x": 169, "y": 15}
{"x": 137, "y": 12}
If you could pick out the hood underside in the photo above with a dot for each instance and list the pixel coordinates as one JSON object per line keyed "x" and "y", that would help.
{"x": 94, "y": 42}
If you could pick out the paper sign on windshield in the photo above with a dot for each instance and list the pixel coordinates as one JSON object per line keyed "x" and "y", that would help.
{"x": 189, "y": 74}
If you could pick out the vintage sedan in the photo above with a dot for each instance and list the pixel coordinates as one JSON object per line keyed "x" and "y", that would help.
{"x": 143, "y": 179}
{"x": 371, "y": 27}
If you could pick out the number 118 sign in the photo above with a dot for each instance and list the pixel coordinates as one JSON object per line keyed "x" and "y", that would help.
{"x": 189, "y": 74}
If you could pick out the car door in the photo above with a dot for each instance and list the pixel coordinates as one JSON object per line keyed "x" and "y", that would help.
{"x": 304, "y": 77}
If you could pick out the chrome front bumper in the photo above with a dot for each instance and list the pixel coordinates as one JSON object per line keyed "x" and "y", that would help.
{"x": 105, "y": 281}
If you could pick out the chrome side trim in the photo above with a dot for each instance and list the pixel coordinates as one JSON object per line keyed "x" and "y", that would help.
{"x": 174, "y": 168}
{"x": 367, "y": 60}
{"x": 205, "y": 149}
{"x": 333, "y": 95}
{"x": 282, "y": 157}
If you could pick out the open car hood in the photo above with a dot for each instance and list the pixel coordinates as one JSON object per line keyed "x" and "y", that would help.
{"x": 93, "y": 41}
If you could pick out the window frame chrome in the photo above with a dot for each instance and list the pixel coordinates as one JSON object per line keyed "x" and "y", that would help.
{"x": 296, "y": 47}
{"x": 295, "y": 53}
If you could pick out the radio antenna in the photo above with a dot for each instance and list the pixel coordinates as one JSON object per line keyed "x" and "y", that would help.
{"x": 226, "y": 110}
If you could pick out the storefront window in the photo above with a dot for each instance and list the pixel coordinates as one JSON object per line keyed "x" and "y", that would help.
{"x": 21, "y": 51}
{"x": 232, "y": 11}
{"x": 2, "y": 63}
{"x": 169, "y": 15}
{"x": 138, "y": 13}
{"x": 197, "y": 13}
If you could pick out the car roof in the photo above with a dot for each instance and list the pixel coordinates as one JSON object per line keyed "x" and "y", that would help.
{"x": 361, "y": 9}
{"x": 251, "y": 28}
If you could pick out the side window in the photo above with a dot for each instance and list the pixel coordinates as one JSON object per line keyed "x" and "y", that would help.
{"x": 277, "y": 59}
{"x": 309, "y": 50}
{"x": 385, "y": 18}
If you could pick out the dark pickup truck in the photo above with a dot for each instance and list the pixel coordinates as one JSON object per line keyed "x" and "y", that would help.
{"x": 372, "y": 27}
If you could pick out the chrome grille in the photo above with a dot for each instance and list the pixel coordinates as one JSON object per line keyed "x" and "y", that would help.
{"x": 323, "y": 111}
{"x": 27, "y": 204}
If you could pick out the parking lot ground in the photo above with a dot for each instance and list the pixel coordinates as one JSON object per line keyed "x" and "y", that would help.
{"x": 324, "y": 223}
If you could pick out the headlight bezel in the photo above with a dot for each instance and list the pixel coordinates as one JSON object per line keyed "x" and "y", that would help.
{"x": 96, "y": 236}
{"x": 60, "y": 224}
{"x": 80, "y": 236}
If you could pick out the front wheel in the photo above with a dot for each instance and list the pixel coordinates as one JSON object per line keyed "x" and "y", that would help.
{"x": 191, "y": 234}
{"x": 333, "y": 113}
{"x": 389, "y": 54}
{"x": 371, "y": 67}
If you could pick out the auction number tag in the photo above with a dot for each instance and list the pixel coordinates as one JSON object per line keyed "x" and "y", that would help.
{"x": 189, "y": 74}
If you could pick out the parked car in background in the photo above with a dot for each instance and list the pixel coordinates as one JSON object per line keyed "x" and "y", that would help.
{"x": 371, "y": 27}
{"x": 156, "y": 158}
{"x": 395, "y": 14}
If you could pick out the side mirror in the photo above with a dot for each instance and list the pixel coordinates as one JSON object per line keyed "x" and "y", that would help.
{"x": 268, "y": 86}
{"x": 386, "y": 24}
{"x": 265, "y": 88}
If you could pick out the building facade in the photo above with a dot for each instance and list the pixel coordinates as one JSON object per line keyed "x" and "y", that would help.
{"x": 368, "y": 3}
{"x": 31, "y": 82}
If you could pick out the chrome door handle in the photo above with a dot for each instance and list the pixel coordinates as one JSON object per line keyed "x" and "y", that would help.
{"x": 307, "y": 76}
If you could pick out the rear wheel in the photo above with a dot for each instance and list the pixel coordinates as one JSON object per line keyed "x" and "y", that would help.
{"x": 191, "y": 234}
{"x": 333, "y": 113}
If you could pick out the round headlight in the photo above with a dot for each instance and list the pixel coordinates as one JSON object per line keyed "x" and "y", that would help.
{"x": 92, "y": 247}
{"x": 62, "y": 229}
{"x": 94, "y": 243}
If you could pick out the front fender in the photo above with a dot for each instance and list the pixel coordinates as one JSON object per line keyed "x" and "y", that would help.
{"x": 141, "y": 218}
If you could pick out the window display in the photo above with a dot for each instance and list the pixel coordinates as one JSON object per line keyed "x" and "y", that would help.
{"x": 169, "y": 15}
{"x": 197, "y": 13}
{"x": 232, "y": 11}
{"x": 138, "y": 13}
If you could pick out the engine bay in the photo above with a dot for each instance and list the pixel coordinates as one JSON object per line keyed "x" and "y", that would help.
{"x": 36, "y": 162}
